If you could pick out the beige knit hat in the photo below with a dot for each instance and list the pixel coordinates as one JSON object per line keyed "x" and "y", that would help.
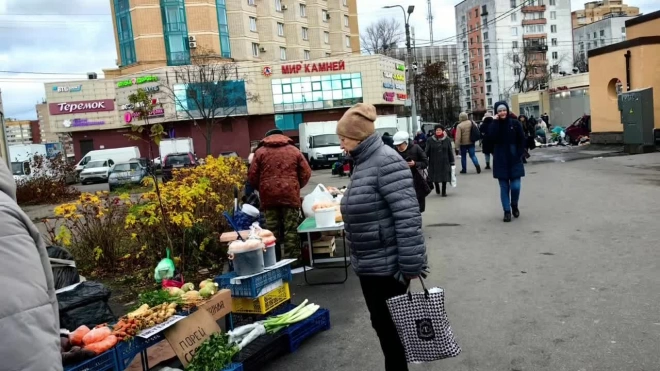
{"x": 358, "y": 122}
{"x": 462, "y": 116}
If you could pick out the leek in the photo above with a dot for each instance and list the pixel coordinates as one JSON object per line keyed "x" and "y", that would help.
{"x": 298, "y": 314}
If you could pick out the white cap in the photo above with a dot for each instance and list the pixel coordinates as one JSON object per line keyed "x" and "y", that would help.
{"x": 400, "y": 137}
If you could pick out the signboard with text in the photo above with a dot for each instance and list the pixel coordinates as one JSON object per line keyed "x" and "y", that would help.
{"x": 137, "y": 81}
{"x": 64, "y": 108}
{"x": 313, "y": 67}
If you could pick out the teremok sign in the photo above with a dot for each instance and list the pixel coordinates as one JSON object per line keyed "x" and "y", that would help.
{"x": 99, "y": 105}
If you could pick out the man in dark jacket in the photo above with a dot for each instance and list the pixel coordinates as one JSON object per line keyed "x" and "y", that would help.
{"x": 486, "y": 143}
{"x": 279, "y": 171}
{"x": 417, "y": 160}
{"x": 388, "y": 140}
{"x": 383, "y": 225}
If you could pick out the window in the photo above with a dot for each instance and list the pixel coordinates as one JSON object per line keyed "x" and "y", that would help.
{"x": 328, "y": 54}
{"x": 478, "y": 40}
{"x": 486, "y": 49}
{"x": 553, "y": 2}
{"x": 324, "y": 15}
{"x": 481, "y": 77}
{"x": 514, "y": 17}
{"x": 484, "y": 9}
{"x": 348, "y": 41}
{"x": 464, "y": 44}
{"x": 307, "y": 56}
{"x": 514, "y": 31}
{"x": 474, "y": 79}
{"x": 516, "y": 71}
{"x": 480, "y": 66}
{"x": 490, "y": 102}
{"x": 250, "y": 2}
{"x": 553, "y": 28}
{"x": 280, "y": 29}
{"x": 326, "y": 37}
{"x": 553, "y": 15}
{"x": 471, "y": 41}
{"x": 478, "y": 51}
{"x": 465, "y": 68}
{"x": 345, "y": 21}
{"x": 283, "y": 53}
{"x": 474, "y": 90}
{"x": 514, "y": 44}
{"x": 313, "y": 92}
{"x": 468, "y": 105}
{"x": 555, "y": 55}
{"x": 485, "y": 36}
{"x": 278, "y": 5}
{"x": 488, "y": 89}
{"x": 482, "y": 102}
{"x": 554, "y": 42}
{"x": 481, "y": 90}
{"x": 595, "y": 35}
{"x": 513, "y": 4}
{"x": 253, "y": 24}
{"x": 467, "y": 81}
{"x": 344, "y": 2}
{"x": 623, "y": 30}
{"x": 602, "y": 42}
{"x": 303, "y": 10}
{"x": 305, "y": 33}
{"x": 602, "y": 33}
{"x": 255, "y": 49}
{"x": 589, "y": 45}
{"x": 467, "y": 92}
{"x": 487, "y": 62}
{"x": 471, "y": 53}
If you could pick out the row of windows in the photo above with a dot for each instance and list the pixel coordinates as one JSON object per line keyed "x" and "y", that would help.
{"x": 317, "y": 92}
{"x": 256, "y": 50}
{"x": 516, "y": 3}
{"x": 303, "y": 10}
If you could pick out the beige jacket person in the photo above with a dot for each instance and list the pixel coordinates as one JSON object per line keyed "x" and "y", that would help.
{"x": 463, "y": 130}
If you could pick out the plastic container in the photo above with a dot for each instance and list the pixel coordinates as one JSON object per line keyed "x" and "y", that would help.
{"x": 127, "y": 350}
{"x": 248, "y": 257}
{"x": 325, "y": 218}
{"x": 251, "y": 287}
{"x": 264, "y": 303}
{"x": 299, "y": 332}
{"x": 104, "y": 361}
{"x": 270, "y": 258}
{"x": 250, "y": 210}
{"x": 259, "y": 353}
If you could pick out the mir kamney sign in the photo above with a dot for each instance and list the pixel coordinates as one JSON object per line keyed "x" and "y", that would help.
{"x": 100, "y": 105}
{"x": 314, "y": 67}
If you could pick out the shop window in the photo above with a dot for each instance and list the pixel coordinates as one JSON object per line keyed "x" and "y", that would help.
{"x": 288, "y": 121}
{"x": 316, "y": 92}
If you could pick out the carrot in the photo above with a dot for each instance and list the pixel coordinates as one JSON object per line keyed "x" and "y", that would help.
{"x": 77, "y": 336}
{"x": 103, "y": 345}
{"x": 96, "y": 335}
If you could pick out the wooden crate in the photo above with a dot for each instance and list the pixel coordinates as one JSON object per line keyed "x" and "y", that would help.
{"x": 326, "y": 245}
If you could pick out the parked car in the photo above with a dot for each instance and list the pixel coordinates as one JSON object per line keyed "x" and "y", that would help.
{"x": 96, "y": 171}
{"x": 578, "y": 129}
{"x": 127, "y": 173}
{"x": 177, "y": 161}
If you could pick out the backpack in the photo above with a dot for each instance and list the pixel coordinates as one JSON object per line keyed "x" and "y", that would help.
{"x": 475, "y": 133}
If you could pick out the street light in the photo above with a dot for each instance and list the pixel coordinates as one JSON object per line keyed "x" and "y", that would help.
{"x": 409, "y": 61}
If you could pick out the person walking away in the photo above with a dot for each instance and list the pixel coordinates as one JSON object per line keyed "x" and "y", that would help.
{"x": 486, "y": 143}
{"x": 29, "y": 317}
{"x": 383, "y": 225}
{"x": 509, "y": 147}
{"x": 417, "y": 161}
{"x": 530, "y": 141}
{"x": 441, "y": 159}
{"x": 420, "y": 139}
{"x": 464, "y": 140}
{"x": 279, "y": 171}
{"x": 546, "y": 118}
{"x": 387, "y": 139}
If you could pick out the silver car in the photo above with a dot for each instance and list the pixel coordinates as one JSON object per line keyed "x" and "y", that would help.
{"x": 127, "y": 173}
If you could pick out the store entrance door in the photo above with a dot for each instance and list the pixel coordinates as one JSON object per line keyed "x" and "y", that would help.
{"x": 86, "y": 146}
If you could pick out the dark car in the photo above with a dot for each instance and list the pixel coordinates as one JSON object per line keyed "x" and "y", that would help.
{"x": 177, "y": 161}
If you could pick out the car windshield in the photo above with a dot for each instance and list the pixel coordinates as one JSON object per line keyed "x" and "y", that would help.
{"x": 325, "y": 140}
{"x": 175, "y": 160}
{"x": 97, "y": 164}
{"x": 127, "y": 167}
{"x": 17, "y": 168}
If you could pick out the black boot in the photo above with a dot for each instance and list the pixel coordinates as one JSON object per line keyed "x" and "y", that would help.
{"x": 487, "y": 165}
{"x": 507, "y": 216}
{"x": 515, "y": 211}
{"x": 478, "y": 169}
{"x": 444, "y": 189}
{"x": 437, "y": 188}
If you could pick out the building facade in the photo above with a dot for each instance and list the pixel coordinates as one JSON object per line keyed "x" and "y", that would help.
{"x": 18, "y": 132}
{"x": 286, "y": 94}
{"x": 510, "y": 46}
{"x": 594, "y": 11}
{"x": 607, "y": 31}
{"x": 156, "y": 33}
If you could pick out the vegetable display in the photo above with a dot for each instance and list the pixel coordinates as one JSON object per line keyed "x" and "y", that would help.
{"x": 97, "y": 341}
{"x": 157, "y": 297}
{"x": 299, "y": 313}
{"x": 214, "y": 354}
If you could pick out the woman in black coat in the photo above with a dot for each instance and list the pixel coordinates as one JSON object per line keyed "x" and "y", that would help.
{"x": 441, "y": 159}
{"x": 486, "y": 143}
{"x": 417, "y": 161}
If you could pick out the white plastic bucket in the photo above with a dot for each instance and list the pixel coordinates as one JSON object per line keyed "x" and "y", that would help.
{"x": 270, "y": 257}
{"x": 250, "y": 210}
{"x": 325, "y": 218}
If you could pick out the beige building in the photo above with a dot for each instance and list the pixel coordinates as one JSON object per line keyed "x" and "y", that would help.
{"x": 18, "y": 132}
{"x": 153, "y": 33}
{"x": 594, "y": 11}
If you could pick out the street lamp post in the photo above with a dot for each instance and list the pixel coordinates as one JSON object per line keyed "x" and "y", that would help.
{"x": 409, "y": 62}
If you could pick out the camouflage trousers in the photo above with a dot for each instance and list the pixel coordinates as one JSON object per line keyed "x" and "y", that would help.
{"x": 284, "y": 222}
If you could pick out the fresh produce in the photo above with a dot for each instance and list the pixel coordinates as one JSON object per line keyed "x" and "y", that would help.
{"x": 103, "y": 345}
{"x": 126, "y": 328}
{"x": 208, "y": 290}
{"x": 175, "y": 291}
{"x": 204, "y": 283}
{"x": 76, "y": 336}
{"x": 96, "y": 335}
{"x": 138, "y": 312}
{"x": 301, "y": 312}
{"x": 157, "y": 297}
{"x": 215, "y": 353}
{"x": 244, "y": 335}
{"x": 192, "y": 297}
{"x": 188, "y": 286}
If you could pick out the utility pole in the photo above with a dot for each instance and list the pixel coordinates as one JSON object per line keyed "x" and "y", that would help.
{"x": 430, "y": 19}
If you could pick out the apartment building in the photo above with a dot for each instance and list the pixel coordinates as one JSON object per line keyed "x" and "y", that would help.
{"x": 594, "y": 11}
{"x": 18, "y": 132}
{"x": 426, "y": 55}
{"x": 510, "y": 46}
{"x": 157, "y": 33}
{"x": 46, "y": 132}
{"x": 607, "y": 31}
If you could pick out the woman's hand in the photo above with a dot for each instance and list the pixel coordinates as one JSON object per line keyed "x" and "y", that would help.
{"x": 411, "y": 163}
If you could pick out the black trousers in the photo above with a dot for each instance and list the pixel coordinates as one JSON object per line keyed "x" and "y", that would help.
{"x": 444, "y": 188}
{"x": 376, "y": 291}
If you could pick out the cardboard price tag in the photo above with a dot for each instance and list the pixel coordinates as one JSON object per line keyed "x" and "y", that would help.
{"x": 187, "y": 335}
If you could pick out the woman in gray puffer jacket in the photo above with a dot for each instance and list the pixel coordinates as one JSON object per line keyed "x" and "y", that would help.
{"x": 383, "y": 224}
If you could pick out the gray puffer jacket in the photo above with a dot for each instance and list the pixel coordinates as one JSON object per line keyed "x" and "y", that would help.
{"x": 29, "y": 320}
{"x": 381, "y": 213}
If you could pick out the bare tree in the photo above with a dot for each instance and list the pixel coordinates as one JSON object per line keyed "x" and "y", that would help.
{"x": 438, "y": 98}
{"x": 381, "y": 36}
{"x": 208, "y": 91}
{"x": 581, "y": 62}
{"x": 530, "y": 70}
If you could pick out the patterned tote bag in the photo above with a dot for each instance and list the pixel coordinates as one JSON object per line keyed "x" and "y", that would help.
{"x": 422, "y": 324}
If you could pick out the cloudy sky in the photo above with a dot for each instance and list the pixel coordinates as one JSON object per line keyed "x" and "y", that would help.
{"x": 58, "y": 40}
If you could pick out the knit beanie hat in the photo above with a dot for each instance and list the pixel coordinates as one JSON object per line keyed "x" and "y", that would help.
{"x": 462, "y": 116}
{"x": 358, "y": 122}
{"x": 273, "y": 132}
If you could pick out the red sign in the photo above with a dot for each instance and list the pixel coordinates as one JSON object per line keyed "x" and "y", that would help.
{"x": 401, "y": 96}
{"x": 267, "y": 71}
{"x": 314, "y": 67}
{"x": 64, "y": 108}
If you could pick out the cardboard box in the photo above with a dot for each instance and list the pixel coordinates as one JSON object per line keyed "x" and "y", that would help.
{"x": 219, "y": 305}
{"x": 187, "y": 335}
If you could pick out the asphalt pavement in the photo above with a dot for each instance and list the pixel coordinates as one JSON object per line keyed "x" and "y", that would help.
{"x": 571, "y": 285}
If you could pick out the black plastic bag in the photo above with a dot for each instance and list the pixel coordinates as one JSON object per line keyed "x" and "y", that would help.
{"x": 64, "y": 276}
{"x": 86, "y": 304}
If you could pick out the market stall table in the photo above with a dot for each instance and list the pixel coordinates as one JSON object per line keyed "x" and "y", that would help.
{"x": 308, "y": 226}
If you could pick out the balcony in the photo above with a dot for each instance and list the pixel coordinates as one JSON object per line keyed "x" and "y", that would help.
{"x": 536, "y": 48}
{"x": 535, "y": 36}
{"x": 533, "y": 9}
{"x": 538, "y": 62}
{"x": 526, "y": 22}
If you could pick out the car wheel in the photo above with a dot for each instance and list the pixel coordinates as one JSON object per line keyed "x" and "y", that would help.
{"x": 83, "y": 182}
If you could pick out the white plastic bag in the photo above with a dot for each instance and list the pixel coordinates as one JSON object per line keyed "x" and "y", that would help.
{"x": 453, "y": 176}
{"x": 320, "y": 193}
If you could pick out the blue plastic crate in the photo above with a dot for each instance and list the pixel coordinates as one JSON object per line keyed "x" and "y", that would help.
{"x": 250, "y": 287}
{"x": 104, "y": 362}
{"x": 319, "y": 321}
{"x": 234, "y": 367}
{"x": 127, "y": 350}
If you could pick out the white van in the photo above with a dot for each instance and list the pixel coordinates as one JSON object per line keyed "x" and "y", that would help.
{"x": 117, "y": 155}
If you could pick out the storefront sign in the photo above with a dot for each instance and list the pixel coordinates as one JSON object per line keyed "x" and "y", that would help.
{"x": 137, "y": 81}
{"x": 398, "y": 77}
{"x": 152, "y": 89}
{"x": 400, "y": 67}
{"x": 81, "y": 122}
{"x": 387, "y": 75}
{"x": 67, "y": 89}
{"x": 399, "y": 87}
{"x": 130, "y": 106}
{"x": 101, "y": 105}
{"x": 388, "y": 85}
{"x": 389, "y": 96}
{"x": 401, "y": 96}
{"x": 314, "y": 67}
{"x": 130, "y": 116}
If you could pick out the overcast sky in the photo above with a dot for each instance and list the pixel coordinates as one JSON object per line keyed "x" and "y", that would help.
{"x": 76, "y": 36}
